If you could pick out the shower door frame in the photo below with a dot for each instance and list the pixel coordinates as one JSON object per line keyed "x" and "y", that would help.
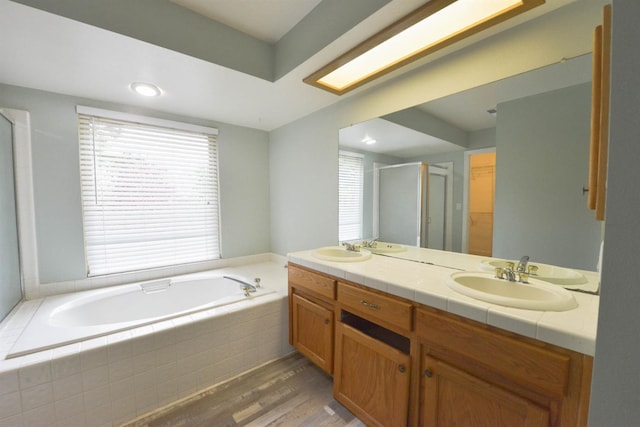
{"x": 11, "y": 295}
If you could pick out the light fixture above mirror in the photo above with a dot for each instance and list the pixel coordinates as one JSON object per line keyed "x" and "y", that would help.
{"x": 433, "y": 26}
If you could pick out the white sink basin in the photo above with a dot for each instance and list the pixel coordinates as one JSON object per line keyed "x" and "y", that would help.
{"x": 546, "y": 272}
{"x": 386, "y": 248}
{"x": 340, "y": 254}
{"x": 536, "y": 295}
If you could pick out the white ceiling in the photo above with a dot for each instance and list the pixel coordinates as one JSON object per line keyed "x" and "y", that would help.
{"x": 392, "y": 139}
{"x": 46, "y": 51}
{"x": 266, "y": 20}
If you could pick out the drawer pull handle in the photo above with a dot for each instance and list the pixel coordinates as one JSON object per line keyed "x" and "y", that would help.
{"x": 402, "y": 369}
{"x": 369, "y": 305}
{"x": 428, "y": 373}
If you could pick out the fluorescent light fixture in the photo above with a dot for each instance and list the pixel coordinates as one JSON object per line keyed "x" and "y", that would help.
{"x": 145, "y": 89}
{"x": 431, "y": 27}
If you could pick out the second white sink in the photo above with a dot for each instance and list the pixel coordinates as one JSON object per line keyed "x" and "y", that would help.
{"x": 536, "y": 295}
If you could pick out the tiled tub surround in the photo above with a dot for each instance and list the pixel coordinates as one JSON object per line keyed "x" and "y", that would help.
{"x": 424, "y": 282}
{"x": 112, "y": 379}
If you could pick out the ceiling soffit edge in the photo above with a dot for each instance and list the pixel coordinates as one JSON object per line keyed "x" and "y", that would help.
{"x": 323, "y": 25}
{"x": 171, "y": 26}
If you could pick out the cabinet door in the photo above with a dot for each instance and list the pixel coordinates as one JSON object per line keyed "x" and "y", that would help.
{"x": 313, "y": 332}
{"x": 371, "y": 378}
{"x": 451, "y": 397}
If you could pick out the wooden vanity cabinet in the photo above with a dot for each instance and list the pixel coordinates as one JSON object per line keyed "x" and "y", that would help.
{"x": 311, "y": 315}
{"x": 398, "y": 363}
{"x": 372, "y": 376}
{"x": 474, "y": 374}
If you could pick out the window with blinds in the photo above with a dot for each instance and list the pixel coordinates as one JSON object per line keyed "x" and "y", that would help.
{"x": 350, "y": 191}
{"x": 149, "y": 192}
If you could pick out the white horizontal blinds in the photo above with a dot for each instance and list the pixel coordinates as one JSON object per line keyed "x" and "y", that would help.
{"x": 149, "y": 195}
{"x": 350, "y": 183}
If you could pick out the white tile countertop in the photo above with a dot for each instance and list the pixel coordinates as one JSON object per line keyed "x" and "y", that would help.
{"x": 420, "y": 275}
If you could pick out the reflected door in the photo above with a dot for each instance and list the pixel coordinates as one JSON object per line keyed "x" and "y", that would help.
{"x": 402, "y": 213}
{"x": 10, "y": 278}
{"x": 437, "y": 198}
{"x": 482, "y": 183}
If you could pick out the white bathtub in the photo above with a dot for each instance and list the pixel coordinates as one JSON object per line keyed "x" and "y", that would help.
{"x": 113, "y": 378}
{"x": 65, "y": 319}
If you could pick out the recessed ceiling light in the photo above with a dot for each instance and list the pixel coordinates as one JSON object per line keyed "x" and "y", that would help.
{"x": 435, "y": 25}
{"x": 368, "y": 140}
{"x": 145, "y": 89}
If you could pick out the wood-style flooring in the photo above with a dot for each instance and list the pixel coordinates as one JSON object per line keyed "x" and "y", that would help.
{"x": 287, "y": 392}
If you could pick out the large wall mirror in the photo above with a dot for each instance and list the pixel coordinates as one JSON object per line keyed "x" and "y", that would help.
{"x": 503, "y": 163}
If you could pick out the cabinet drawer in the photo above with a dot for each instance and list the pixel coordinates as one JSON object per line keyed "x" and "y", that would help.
{"x": 378, "y": 308}
{"x": 314, "y": 282}
{"x": 527, "y": 365}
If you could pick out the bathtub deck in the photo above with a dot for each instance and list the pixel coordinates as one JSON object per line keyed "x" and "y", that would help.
{"x": 288, "y": 392}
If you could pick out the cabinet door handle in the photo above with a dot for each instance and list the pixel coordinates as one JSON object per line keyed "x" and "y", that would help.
{"x": 370, "y": 305}
{"x": 326, "y": 321}
{"x": 428, "y": 373}
{"x": 401, "y": 368}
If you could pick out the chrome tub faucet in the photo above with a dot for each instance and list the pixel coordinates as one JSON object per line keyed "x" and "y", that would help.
{"x": 245, "y": 286}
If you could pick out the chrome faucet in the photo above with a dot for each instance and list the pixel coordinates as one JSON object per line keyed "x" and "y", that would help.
{"x": 506, "y": 273}
{"x": 351, "y": 247}
{"x": 245, "y": 286}
{"x": 516, "y": 274}
{"x": 522, "y": 265}
{"x": 370, "y": 243}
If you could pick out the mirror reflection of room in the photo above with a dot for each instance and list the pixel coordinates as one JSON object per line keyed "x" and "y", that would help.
{"x": 535, "y": 127}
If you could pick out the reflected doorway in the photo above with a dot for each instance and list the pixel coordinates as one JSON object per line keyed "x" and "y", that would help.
{"x": 481, "y": 197}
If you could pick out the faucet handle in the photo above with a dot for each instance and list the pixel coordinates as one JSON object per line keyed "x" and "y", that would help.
{"x": 524, "y": 277}
{"x": 533, "y": 270}
{"x": 511, "y": 265}
{"x": 499, "y": 273}
{"x": 351, "y": 247}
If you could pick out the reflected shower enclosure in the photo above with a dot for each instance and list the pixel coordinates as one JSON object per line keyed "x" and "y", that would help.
{"x": 410, "y": 204}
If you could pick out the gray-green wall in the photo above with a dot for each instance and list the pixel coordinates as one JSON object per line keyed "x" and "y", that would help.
{"x": 542, "y": 163}
{"x": 244, "y": 181}
{"x": 615, "y": 387}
